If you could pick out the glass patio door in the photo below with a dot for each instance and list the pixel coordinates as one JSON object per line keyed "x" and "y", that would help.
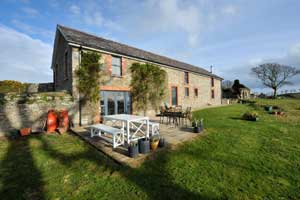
{"x": 115, "y": 102}
{"x": 174, "y": 96}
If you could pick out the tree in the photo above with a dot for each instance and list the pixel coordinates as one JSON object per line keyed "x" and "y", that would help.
{"x": 274, "y": 75}
{"x": 236, "y": 88}
{"x": 227, "y": 84}
{"x": 148, "y": 85}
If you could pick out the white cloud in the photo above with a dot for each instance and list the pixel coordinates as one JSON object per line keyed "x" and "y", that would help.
{"x": 294, "y": 50}
{"x": 230, "y": 10}
{"x": 89, "y": 13}
{"x": 171, "y": 15}
{"x": 30, "y": 11}
{"x": 24, "y": 58}
{"x": 31, "y": 30}
{"x": 75, "y": 9}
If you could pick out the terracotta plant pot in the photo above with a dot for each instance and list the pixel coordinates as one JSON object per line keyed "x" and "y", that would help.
{"x": 25, "y": 131}
{"x": 154, "y": 145}
{"x": 51, "y": 121}
{"x": 63, "y": 121}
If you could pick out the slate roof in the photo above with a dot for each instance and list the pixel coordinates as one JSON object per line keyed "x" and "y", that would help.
{"x": 92, "y": 41}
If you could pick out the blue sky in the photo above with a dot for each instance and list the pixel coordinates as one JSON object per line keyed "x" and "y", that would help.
{"x": 230, "y": 35}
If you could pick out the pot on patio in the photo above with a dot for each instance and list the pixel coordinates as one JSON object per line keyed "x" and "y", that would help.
{"x": 154, "y": 142}
{"x": 162, "y": 142}
{"x": 133, "y": 149}
{"x": 199, "y": 126}
{"x": 144, "y": 146}
{"x": 25, "y": 131}
{"x": 197, "y": 129}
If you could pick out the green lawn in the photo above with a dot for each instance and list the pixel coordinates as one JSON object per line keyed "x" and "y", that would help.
{"x": 234, "y": 159}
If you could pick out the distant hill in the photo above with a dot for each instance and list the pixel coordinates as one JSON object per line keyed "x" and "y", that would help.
{"x": 291, "y": 95}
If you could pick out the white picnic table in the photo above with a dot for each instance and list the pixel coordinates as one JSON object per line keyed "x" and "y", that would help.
{"x": 131, "y": 124}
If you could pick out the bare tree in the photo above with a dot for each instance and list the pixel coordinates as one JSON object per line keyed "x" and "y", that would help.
{"x": 274, "y": 75}
{"x": 227, "y": 84}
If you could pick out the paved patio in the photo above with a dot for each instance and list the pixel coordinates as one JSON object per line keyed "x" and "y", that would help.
{"x": 173, "y": 137}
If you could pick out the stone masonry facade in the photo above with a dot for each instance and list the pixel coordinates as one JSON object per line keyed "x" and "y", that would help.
{"x": 175, "y": 78}
{"x": 66, "y": 59}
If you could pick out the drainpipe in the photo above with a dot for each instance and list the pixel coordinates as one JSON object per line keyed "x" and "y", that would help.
{"x": 79, "y": 96}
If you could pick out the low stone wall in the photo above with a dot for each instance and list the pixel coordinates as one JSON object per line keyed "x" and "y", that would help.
{"x": 40, "y": 87}
{"x": 229, "y": 101}
{"x": 30, "y": 110}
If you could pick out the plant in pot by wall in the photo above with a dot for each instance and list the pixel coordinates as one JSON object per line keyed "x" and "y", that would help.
{"x": 251, "y": 116}
{"x": 25, "y": 131}
{"x": 133, "y": 149}
{"x": 154, "y": 140}
{"x": 197, "y": 125}
{"x": 144, "y": 145}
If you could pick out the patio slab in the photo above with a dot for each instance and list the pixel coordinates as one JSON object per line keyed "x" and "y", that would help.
{"x": 173, "y": 137}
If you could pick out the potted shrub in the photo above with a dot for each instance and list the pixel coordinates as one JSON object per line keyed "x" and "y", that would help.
{"x": 144, "y": 145}
{"x": 269, "y": 108}
{"x": 251, "y": 116}
{"x": 162, "y": 142}
{"x": 133, "y": 149}
{"x": 154, "y": 140}
{"x": 198, "y": 125}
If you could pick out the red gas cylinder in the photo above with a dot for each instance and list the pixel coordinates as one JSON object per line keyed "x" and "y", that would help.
{"x": 51, "y": 121}
{"x": 63, "y": 119}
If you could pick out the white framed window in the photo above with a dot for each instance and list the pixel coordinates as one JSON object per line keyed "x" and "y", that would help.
{"x": 186, "y": 92}
{"x": 116, "y": 66}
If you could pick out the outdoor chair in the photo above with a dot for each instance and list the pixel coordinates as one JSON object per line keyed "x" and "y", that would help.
{"x": 161, "y": 114}
{"x": 187, "y": 115}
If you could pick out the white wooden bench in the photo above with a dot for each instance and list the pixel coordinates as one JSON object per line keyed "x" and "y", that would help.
{"x": 117, "y": 134}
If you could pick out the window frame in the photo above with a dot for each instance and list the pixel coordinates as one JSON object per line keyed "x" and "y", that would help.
{"x": 196, "y": 89}
{"x": 113, "y": 65}
{"x": 171, "y": 96}
{"x": 213, "y": 94}
{"x": 186, "y": 77}
{"x": 66, "y": 71}
{"x": 186, "y": 89}
{"x": 212, "y": 82}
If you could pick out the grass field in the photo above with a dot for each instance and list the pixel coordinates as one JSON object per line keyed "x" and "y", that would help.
{"x": 234, "y": 159}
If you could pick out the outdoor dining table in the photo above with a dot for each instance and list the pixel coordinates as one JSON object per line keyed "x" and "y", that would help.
{"x": 132, "y": 125}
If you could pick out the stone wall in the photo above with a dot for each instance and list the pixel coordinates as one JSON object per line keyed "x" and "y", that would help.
{"x": 122, "y": 83}
{"x": 40, "y": 87}
{"x": 30, "y": 110}
{"x": 175, "y": 78}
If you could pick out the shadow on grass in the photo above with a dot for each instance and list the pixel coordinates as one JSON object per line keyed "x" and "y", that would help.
{"x": 21, "y": 179}
{"x": 237, "y": 118}
{"x": 152, "y": 177}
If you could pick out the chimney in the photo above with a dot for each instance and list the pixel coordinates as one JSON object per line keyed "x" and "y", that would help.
{"x": 211, "y": 68}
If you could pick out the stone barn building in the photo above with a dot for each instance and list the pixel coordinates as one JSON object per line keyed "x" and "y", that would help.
{"x": 188, "y": 85}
